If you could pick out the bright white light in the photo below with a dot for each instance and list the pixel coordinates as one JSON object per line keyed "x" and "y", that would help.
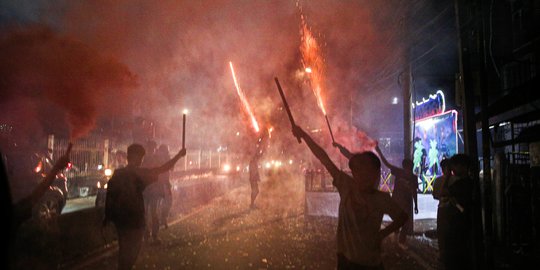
{"x": 267, "y": 165}
{"x": 308, "y": 70}
{"x": 290, "y": 161}
{"x": 395, "y": 100}
{"x": 434, "y": 96}
{"x": 238, "y": 133}
{"x": 427, "y": 124}
{"x": 185, "y": 111}
{"x": 237, "y": 168}
{"x": 105, "y": 186}
{"x": 99, "y": 167}
{"x": 108, "y": 172}
{"x": 98, "y": 184}
{"x": 226, "y": 167}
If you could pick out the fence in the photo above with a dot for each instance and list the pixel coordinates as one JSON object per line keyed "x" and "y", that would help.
{"x": 90, "y": 158}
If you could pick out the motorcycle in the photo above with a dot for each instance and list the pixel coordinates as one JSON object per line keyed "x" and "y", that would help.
{"x": 52, "y": 203}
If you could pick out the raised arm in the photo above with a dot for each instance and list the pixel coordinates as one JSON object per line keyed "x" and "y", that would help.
{"x": 317, "y": 151}
{"x": 38, "y": 192}
{"x": 169, "y": 164}
{"x": 22, "y": 210}
{"x": 392, "y": 168}
{"x": 344, "y": 151}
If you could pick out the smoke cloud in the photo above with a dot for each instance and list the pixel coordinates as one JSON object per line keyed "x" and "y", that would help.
{"x": 178, "y": 54}
{"x": 39, "y": 68}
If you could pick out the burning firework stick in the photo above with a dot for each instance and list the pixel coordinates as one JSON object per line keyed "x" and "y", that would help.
{"x": 329, "y": 128}
{"x": 286, "y": 105}
{"x": 183, "y": 131}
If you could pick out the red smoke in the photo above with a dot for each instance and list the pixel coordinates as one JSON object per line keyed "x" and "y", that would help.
{"x": 366, "y": 143}
{"x": 40, "y": 65}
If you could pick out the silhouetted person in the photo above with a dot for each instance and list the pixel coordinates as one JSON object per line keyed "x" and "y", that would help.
{"x": 21, "y": 211}
{"x": 361, "y": 208}
{"x": 405, "y": 193}
{"x": 124, "y": 206}
{"x": 153, "y": 194}
{"x": 423, "y": 164}
{"x": 163, "y": 155}
{"x": 254, "y": 177}
{"x": 440, "y": 193}
{"x": 457, "y": 237}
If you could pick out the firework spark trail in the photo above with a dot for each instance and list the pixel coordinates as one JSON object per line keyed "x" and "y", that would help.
{"x": 245, "y": 103}
{"x": 313, "y": 62}
{"x": 314, "y": 66}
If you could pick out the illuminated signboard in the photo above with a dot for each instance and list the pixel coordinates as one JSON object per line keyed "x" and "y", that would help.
{"x": 435, "y": 138}
{"x": 433, "y": 105}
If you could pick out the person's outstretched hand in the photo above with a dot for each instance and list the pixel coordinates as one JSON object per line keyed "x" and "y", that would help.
{"x": 377, "y": 147}
{"x": 298, "y": 132}
{"x": 182, "y": 152}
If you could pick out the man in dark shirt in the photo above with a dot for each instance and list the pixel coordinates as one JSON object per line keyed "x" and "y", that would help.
{"x": 458, "y": 215}
{"x": 405, "y": 194}
{"x": 361, "y": 208}
{"x": 125, "y": 203}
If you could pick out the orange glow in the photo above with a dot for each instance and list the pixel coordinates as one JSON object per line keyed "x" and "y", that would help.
{"x": 313, "y": 63}
{"x": 245, "y": 103}
{"x": 39, "y": 167}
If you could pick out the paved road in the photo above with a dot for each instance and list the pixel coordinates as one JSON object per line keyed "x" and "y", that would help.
{"x": 225, "y": 234}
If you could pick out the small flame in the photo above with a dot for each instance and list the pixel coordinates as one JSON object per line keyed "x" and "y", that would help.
{"x": 245, "y": 103}
{"x": 39, "y": 167}
{"x": 313, "y": 63}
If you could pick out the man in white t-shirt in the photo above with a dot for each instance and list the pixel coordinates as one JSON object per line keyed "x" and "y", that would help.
{"x": 361, "y": 208}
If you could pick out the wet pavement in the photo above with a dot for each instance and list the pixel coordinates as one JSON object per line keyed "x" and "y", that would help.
{"x": 226, "y": 234}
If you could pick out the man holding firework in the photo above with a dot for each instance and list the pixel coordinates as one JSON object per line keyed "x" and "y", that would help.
{"x": 125, "y": 204}
{"x": 361, "y": 208}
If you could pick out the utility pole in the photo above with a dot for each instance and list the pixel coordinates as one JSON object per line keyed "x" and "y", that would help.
{"x": 486, "y": 185}
{"x": 407, "y": 134}
{"x": 406, "y": 84}
{"x": 472, "y": 80}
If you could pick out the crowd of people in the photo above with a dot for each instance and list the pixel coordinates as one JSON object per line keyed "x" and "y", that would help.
{"x": 139, "y": 199}
{"x": 362, "y": 203}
